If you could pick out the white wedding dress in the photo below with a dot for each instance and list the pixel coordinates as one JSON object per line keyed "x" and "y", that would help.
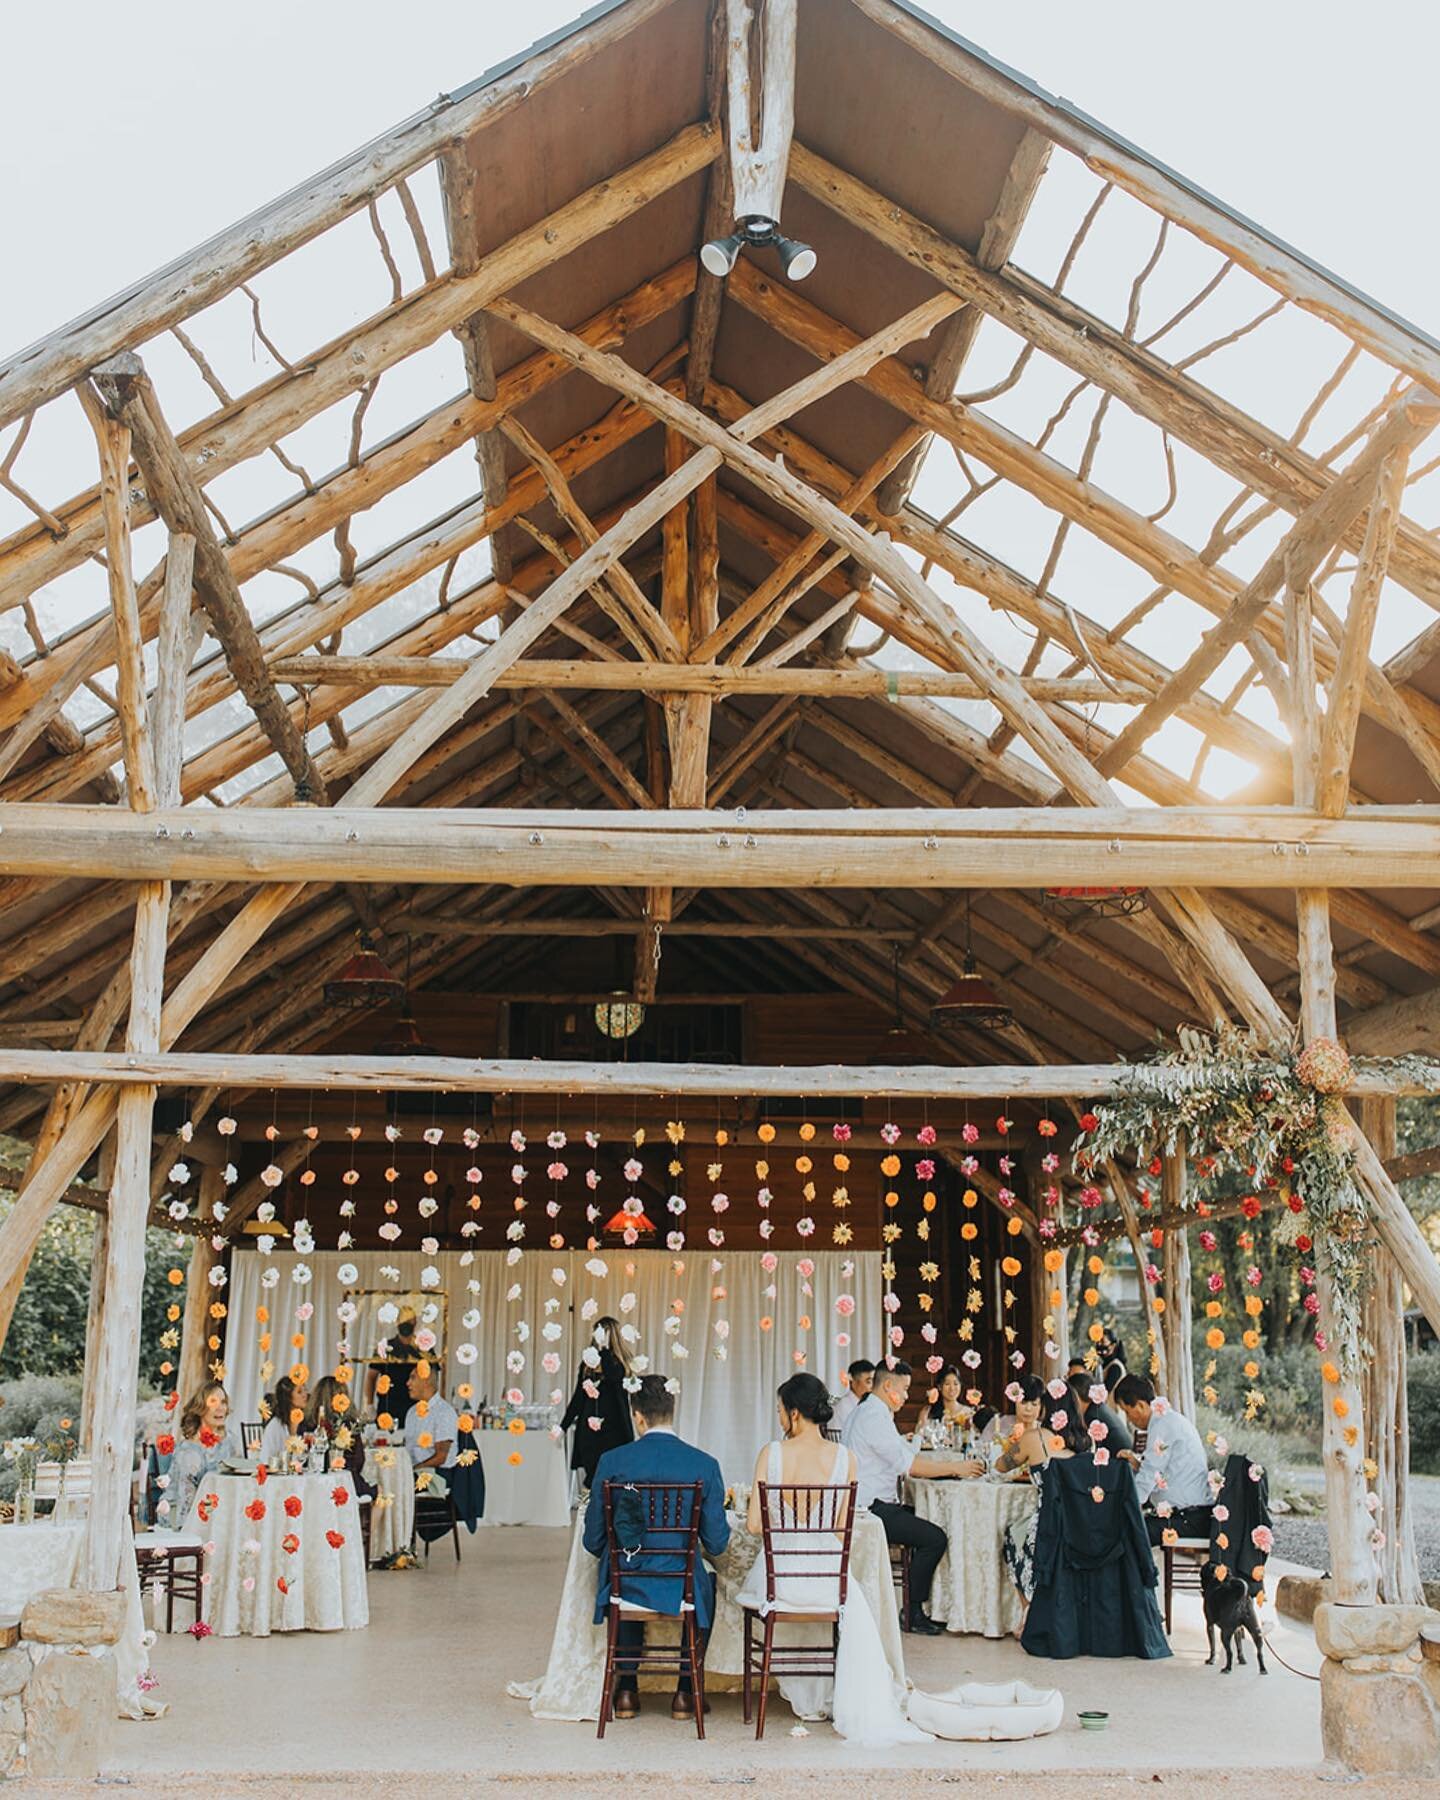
{"x": 865, "y": 1701}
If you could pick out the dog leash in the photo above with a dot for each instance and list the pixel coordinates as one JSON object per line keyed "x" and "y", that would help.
{"x": 1269, "y": 1645}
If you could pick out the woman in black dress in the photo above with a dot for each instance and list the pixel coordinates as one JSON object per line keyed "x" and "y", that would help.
{"x": 599, "y": 1409}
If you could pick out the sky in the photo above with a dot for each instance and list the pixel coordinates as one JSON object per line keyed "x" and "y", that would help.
{"x": 150, "y": 139}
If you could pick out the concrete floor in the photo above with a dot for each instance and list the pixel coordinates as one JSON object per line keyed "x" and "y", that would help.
{"x": 420, "y": 1693}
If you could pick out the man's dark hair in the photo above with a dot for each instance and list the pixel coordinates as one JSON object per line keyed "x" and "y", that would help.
{"x": 860, "y": 1367}
{"x": 899, "y": 1370}
{"x": 653, "y": 1400}
{"x": 1131, "y": 1390}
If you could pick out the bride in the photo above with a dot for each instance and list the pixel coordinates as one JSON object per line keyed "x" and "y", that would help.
{"x": 867, "y": 1704}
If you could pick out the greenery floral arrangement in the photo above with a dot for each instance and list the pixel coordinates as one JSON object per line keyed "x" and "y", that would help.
{"x": 1274, "y": 1112}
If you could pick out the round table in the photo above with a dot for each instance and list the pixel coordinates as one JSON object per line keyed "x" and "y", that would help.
{"x": 391, "y": 1473}
{"x": 973, "y": 1590}
{"x": 274, "y": 1566}
{"x": 534, "y": 1491}
{"x": 44, "y": 1555}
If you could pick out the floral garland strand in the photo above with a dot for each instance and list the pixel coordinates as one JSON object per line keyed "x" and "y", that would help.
{"x": 1274, "y": 1114}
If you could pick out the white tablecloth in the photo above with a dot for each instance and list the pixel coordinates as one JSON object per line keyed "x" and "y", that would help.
{"x": 537, "y": 1492}
{"x": 392, "y": 1512}
{"x": 46, "y": 1555}
{"x": 324, "y": 1582}
{"x": 574, "y": 1677}
{"x": 973, "y": 1590}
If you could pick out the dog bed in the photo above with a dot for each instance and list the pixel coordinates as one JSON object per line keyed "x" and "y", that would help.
{"x": 988, "y": 1710}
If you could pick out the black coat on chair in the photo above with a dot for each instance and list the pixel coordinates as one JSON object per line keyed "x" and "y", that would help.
{"x": 1094, "y": 1573}
{"x": 1246, "y": 1506}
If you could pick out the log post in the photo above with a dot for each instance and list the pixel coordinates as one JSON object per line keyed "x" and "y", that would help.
{"x": 1179, "y": 1325}
{"x": 98, "y": 1251}
{"x": 117, "y": 1358}
{"x": 1387, "y": 1416}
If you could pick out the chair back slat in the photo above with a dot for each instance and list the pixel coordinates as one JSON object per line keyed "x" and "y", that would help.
{"x": 823, "y": 1514}
{"x": 667, "y": 1515}
{"x": 250, "y": 1436}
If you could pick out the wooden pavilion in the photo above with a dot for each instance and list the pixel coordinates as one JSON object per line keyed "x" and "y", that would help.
{"x": 577, "y": 622}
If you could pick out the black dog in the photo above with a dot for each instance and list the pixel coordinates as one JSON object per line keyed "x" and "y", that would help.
{"x": 1230, "y": 1606}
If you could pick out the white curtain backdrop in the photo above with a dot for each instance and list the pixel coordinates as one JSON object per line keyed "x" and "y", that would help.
{"x": 726, "y": 1405}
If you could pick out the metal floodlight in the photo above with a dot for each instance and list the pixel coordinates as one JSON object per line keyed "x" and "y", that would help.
{"x": 796, "y": 259}
{"x": 719, "y": 254}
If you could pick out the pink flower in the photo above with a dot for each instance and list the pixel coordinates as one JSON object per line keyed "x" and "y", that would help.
{"x": 557, "y": 1171}
{"x": 891, "y": 1303}
{"x": 1312, "y": 1304}
{"x": 841, "y": 1133}
{"x": 1097, "y": 1431}
{"x": 1006, "y": 1197}
{"x": 1215, "y": 1282}
{"x": 897, "y": 1336}
{"x": 1207, "y": 1240}
{"x": 926, "y": 1135}
{"x": 1090, "y": 1196}
{"x": 1059, "y": 1419}
{"x": 1102, "y": 1457}
{"x": 1097, "y": 1493}
{"x": 633, "y": 1168}
{"x": 925, "y": 1169}
{"x": 1002, "y": 1124}
{"x": 969, "y": 1134}
{"x": 1056, "y": 1389}
{"x": 719, "y": 1202}
{"x": 592, "y": 1179}
{"x": 845, "y": 1305}
{"x": 934, "y": 1364}
{"x": 805, "y": 1268}
{"x": 890, "y": 1133}
{"x": 769, "y": 1261}
{"x": 1263, "y": 1539}
{"x": 806, "y": 1227}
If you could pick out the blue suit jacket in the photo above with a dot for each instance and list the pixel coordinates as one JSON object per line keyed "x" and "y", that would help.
{"x": 660, "y": 1456}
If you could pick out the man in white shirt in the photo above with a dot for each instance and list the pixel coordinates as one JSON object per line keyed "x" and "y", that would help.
{"x": 1172, "y": 1477}
{"x": 882, "y": 1457}
{"x": 432, "y": 1427}
{"x": 860, "y": 1377}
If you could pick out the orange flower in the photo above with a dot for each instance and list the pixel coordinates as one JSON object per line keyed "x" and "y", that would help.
{"x": 1014, "y": 1225}
{"x": 1053, "y": 1259}
{"x": 767, "y": 1323}
{"x": 516, "y": 1428}
{"x": 165, "y": 1444}
{"x": 1010, "y": 1264}
{"x": 969, "y": 1230}
{"x": 299, "y": 1374}
{"x": 1214, "y": 1337}
{"x": 465, "y": 1391}
{"x": 890, "y": 1165}
{"x": 340, "y": 1495}
{"x": 262, "y": 1315}
{"x": 172, "y": 1312}
{"x": 465, "y": 1422}
{"x": 515, "y": 1459}
{"x": 340, "y": 1403}
{"x": 1340, "y": 1406}
{"x": 1092, "y": 1296}
{"x": 174, "y": 1276}
{"x": 282, "y": 1584}
{"x": 385, "y": 1421}
{"x": 1329, "y": 1372}
{"x": 262, "y": 1474}
{"x": 294, "y": 1506}
{"x": 290, "y": 1543}
{"x": 766, "y": 1133}
{"x": 334, "y": 1539}
{"x": 255, "y": 1511}
{"x": 382, "y": 1384}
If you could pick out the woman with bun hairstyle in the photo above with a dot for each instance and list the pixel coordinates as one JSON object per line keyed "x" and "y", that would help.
{"x": 863, "y": 1700}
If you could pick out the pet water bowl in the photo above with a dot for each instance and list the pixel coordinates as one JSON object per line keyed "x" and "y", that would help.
{"x": 1094, "y": 1721}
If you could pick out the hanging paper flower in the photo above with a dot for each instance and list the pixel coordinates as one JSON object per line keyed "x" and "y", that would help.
{"x": 557, "y": 1171}
{"x": 845, "y": 1305}
{"x": 1047, "y": 1128}
{"x": 925, "y": 1169}
{"x": 806, "y": 1227}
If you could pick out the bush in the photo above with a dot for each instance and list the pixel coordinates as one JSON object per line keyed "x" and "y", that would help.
{"x": 33, "y": 1406}
{"x": 1422, "y": 1390}
{"x": 1289, "y": 1380}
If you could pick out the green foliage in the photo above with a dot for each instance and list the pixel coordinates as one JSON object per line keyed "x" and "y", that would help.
{"x": 47, "y": 1333}
{"x": 1422, "y": 1390}
{"x": 33, "y": 1406}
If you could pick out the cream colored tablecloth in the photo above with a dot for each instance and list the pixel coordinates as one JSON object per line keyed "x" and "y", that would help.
{"x": 389, "y": 1470}
{"x": 574, "y": 1677}
{"x": 46, "y": 1555}
{"x": 537, "y": 1492}
{"x": 325, "y": 1583}
{"x": 973, "y": 1590}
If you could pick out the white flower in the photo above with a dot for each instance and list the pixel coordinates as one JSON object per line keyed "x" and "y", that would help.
{"x": 550, "y": 1331}
{"x": 304, "y": 1244}
{"x": 232, "y": 1174}
{"x": 300, "y": 1275}
{"x": 552, "y": 1305}
{"x": 219, "y": 1210}
{"x": 559, "y": 1277}
{"x": 432, "y": 1134}
{"x": 272, "y": 1175}
{"x": 271, "y": 1277}
{"x": 265, "y": 1243}
{"x": 597, "y": 1268}
{"x": 392, "y": 1133}
{"x": 672, "y": 1386}
{"x": 513, "y": 1256}
{"x": 629, "y": 1333}
{"x": 217, "y": 1277}
{"x": 387, "y": 1312}
{"x": 347, "y": 1274}
{"x": 522, "y": 1331}
{"x": 466, "y": 1354}
{"x": 265, "y": 1211}
{"x": 471, "y": 1318}
{"x": 590, "y": 1356}
{"x": 178, "y": 1209}
{"x": 425, "y": 1339}
{"x": 429, "y": 1246}
{"x": 429, "y": 1276}
{"x": 589, "y": 1309}
{"x": 345, "y": 1241}
{"x": 347, "y": 1209}
{"x": 515, "y": 1230}
{"x": 225, "y": 1126}
{"x": 471, "y": 1228}
{"x": 180, "y": 1173}
{"x": 387, "y": 1273}
{"x": 671, "y": 1327}
{"x": 389, "y": 1231}
{"x": 640, "y": 1364}
{"x": 679, "y": 1350}
{"x": 187, "y": 1131}
{"x": 514, "y": 1361}
{"x": 627, "y": 1303}
{"x": 428, "y": 1207}
{"x": 347, "y": 1312}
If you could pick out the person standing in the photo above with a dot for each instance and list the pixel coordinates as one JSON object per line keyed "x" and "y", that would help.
{"x": 1172, "y": 1476}
{"x": 599, "y": 1409}
{"x": 882, "y": 1457}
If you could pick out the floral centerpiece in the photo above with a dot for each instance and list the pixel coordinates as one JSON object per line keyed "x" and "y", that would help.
{"x": 24, "y": 1452}
{"x": 62, "y": 1449}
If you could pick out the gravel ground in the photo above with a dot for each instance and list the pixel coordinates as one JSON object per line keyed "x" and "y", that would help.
{"x": 1303, "y": 1539}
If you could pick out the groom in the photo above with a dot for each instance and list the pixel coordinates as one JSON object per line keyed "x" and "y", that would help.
{"x": 657, "y": 1455}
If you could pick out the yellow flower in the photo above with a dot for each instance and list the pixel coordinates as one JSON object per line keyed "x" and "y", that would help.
{"x": 766, "y": 1133}
{"x": 807, "y": 1131}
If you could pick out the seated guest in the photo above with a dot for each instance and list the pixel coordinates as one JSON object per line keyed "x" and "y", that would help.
{"x": 882, "y": 1457}
{"x": 656, "y": 1454}
{"x": 286, "y": 1421}
{"x": 206, "y": 1439}
{"x": 386, "y": 1382}
{"x": 432, "y": 1428}
{"x": 944, "y": 1405}
{"x": 1172, "y": 1477}
{"x": 333, "y": 1411}
{"x": 861, "y": 1377}
{"x": 1027, "y": 1446}
{"x": 1082, "y": 1398}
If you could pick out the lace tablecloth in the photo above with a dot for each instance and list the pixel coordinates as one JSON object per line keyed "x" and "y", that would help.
{"x": 574, "y": 1677}
{"x": 280, "y": 1570}
{"x": 973, "y": 1590}
{"x": 389, "y": 1470}
{"x": 534, "y": 1491}
{"x": 46, "y": 1555}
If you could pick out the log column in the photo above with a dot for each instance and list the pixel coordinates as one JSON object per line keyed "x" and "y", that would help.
{"x": 1387, "y": 1415}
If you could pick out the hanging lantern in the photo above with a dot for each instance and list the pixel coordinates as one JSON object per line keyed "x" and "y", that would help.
{"x": 365, "y": 981}
{"x": 629, "y": 1221}
{"x": 619, "y": 1017}
{"x": 972, "y": 1001}
{"x": 1080, "y": 903}
{"x": 900, "y": 1047}
{"x": 404, "y": 1039}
